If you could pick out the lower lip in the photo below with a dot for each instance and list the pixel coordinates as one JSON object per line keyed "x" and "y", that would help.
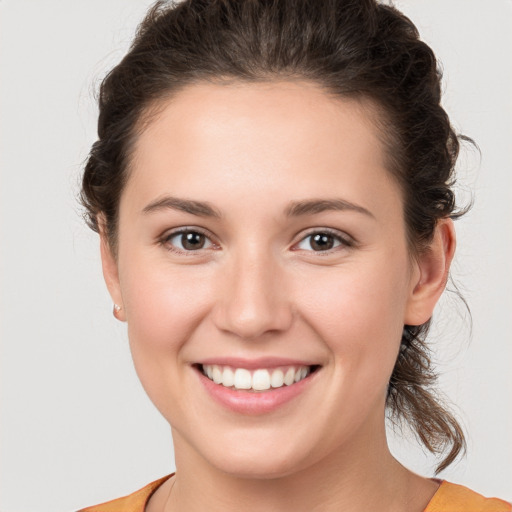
{"x": 255, "y": 402}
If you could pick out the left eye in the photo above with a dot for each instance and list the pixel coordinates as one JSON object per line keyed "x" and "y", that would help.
{"x": 321, "y": 241}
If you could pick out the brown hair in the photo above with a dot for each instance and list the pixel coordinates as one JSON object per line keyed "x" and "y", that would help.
{"x": 351, "y": 48}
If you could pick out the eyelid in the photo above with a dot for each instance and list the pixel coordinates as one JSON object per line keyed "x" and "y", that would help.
{"x": 346, "y": 240}
{"x": 164, "y": 239}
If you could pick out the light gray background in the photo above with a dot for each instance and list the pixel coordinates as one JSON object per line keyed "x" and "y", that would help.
{"x": 76, "y": 426}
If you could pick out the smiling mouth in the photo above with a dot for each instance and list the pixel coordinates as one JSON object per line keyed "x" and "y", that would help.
{"x": 257, "y": 380}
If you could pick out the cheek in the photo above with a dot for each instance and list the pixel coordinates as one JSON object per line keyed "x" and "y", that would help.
{"x": 359, "y": 314}
{"x": 164, "y": 305}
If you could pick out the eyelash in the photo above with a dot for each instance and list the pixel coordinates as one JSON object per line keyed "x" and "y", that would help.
{"x": 165, "y": 240}
{"x": 344, "y": 241}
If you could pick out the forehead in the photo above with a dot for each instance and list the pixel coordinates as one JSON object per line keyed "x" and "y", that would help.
{"x": 277, "y": 138}
{"x": 290, "y": 109}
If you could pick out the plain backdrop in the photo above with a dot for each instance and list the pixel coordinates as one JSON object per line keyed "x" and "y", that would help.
{"x": 76, "y": 426}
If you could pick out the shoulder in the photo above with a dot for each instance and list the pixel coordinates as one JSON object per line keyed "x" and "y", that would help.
{"x": 457, "y": 498}
{"x": 135, "y": 502}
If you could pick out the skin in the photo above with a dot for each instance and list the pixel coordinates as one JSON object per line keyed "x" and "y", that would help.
{"x": 259, "y": 288}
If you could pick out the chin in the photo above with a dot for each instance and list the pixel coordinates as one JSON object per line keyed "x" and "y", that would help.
{"x": 258, "y": 469}
{"x": 257, "y": 461}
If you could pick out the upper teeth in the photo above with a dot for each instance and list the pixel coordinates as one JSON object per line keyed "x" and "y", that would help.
{"x": 259, "y": 380}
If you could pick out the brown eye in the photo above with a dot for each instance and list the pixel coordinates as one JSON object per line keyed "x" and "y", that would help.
{"x": 192, "y": 241}
{"x": 323, "y": 241}
{"x": 187, "y": 241}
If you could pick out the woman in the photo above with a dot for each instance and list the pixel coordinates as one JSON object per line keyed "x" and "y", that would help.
{"x": 271, "y": 186}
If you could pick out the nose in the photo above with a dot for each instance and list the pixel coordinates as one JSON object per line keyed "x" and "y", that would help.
{"x": 252, "y": 298}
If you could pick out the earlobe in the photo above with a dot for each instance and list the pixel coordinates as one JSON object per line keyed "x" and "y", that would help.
{"x": 111, "y": 274}
{"x": 433, "y": 269}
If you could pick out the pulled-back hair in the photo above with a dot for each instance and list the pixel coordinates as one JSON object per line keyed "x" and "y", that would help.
{"x": 351, "y": 49}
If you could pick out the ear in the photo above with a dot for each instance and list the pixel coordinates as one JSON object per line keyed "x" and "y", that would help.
{"x": 431, "y": 275}
{"x": 110, "y": 271}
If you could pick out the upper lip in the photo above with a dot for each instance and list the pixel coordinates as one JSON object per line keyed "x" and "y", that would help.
{"x": 254, "y": 364}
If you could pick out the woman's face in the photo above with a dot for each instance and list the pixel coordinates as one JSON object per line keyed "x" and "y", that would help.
{"x": 260, "y": 234}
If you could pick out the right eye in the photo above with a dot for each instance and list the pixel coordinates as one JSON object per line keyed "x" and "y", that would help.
{"x": 185, "y": 241}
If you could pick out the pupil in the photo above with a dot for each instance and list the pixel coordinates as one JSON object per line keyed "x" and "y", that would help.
{"x": 322, "y": 241}
{"x": 192, "y": 240}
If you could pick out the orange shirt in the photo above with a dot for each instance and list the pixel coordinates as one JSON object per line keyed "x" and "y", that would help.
{"x": 457, "y": 498}
{"x": 448, "y": 498}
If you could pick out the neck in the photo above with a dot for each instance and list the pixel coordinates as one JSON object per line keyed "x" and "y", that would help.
{"x": 359, "y": 477}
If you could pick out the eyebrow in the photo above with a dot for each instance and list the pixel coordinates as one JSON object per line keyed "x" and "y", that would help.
{"x": 294, "y": 209}
{"x": 313, "y": 206}
{"x": 199, "y": 208}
